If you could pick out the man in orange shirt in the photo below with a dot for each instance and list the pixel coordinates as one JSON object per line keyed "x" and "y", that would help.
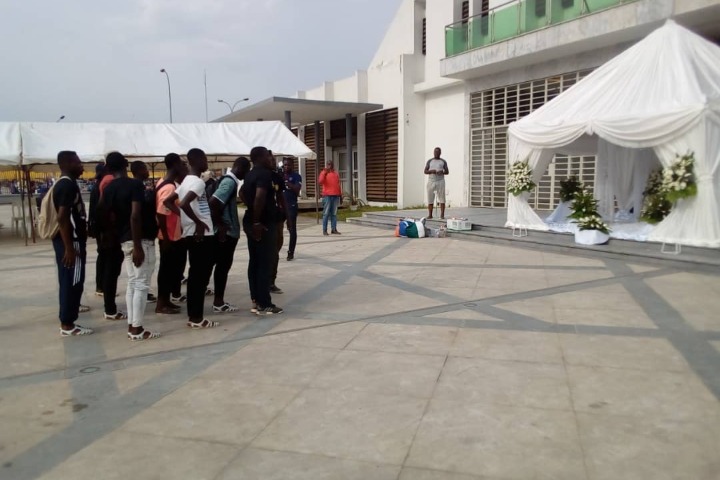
{"x": 332, "y": 193}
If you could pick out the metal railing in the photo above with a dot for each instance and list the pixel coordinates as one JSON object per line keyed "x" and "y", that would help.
{"x": 515, "y": 18}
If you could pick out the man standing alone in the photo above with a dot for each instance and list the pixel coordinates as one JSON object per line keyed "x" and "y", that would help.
{"x": 293, "y": 185}
{"x": 436, "y": 168}
{"x": 69, "y": 243}
{"x": 332, "y": 193}
{"x": 223, "y": 206}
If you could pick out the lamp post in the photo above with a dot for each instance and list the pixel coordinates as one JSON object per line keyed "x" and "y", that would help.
{"x": 62, "y": 117}
{"x": 232, "y": 107}
{"x": 162, "y": 70}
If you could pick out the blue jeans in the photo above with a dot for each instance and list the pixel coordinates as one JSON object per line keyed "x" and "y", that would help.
{"x": 330, "y": 208}
{"x": 71, "y": 280}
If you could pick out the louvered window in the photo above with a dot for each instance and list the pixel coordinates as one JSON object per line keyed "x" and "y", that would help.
{"x": 381, "y": 158}
{"x": 491, "y": 112}
{"x": 311, "y": 172}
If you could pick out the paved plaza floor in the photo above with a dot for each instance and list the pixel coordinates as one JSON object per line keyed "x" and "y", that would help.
{"x": 422, "y": 359}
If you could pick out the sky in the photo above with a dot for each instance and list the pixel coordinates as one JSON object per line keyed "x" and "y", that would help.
{"x": 100, "y": 60}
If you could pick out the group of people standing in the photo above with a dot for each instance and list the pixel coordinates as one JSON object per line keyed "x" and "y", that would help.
{"x": 194, "y": 222}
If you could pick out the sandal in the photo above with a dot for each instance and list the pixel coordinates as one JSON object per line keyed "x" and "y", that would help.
{"x": 180, "y": 299}
{"x": 75, "y": 332}
{"x": 115, "y": 316}
{"x": 143, "y": 335}
{"x": 225, "y": 308}
{"x": 204, "y": 324}
{"x": 83, "y": 309}
{"x": 209, "y": 292}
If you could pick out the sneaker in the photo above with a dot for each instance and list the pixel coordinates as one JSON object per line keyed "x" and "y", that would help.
{"x": 180, "y": 299}
{"x": 115, "y": 316}
{"x": 325, "y": 233}
{"x": 335, "y": 232}
{"x": 151, "y": 298}
{"x": 254, "y": 308}
{"x": 275, "y": 289}
{"x": 98, "y": 293}
{"x": 271, "y": 310}
{"x": 291, "y": 257}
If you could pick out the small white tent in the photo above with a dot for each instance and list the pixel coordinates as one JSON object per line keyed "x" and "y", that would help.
{"x": 36, "y": 143}
{"x": 660, "y": 97}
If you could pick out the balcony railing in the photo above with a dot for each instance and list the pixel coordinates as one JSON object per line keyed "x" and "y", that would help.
{"x": 515, "y": 18}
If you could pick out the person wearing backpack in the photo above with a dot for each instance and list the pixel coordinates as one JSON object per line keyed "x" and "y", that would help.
{"x": 223, "y": 207}
{"x": 69, "y": 240}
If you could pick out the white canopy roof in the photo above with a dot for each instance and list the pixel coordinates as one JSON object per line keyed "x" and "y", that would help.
{"x": 33, "y": 143}
{"x": 664, "y": 93}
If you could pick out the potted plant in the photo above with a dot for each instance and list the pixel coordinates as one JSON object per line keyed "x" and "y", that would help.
{"x": 656, "y": 206}
{"x": 592, "y": 230}
{"x": 353, "y": 202}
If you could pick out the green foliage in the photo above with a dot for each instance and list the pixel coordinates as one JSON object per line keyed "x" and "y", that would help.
{"x": 569, "y": 187}
{"x": 585, "y": 214}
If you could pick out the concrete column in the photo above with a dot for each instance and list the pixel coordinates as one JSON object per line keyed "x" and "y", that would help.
{"x": 317, "y": 170}
{"x": 288, "y": 119}
{"x": 348, "y": 143}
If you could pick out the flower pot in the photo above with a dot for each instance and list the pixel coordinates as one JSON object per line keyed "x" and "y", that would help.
{"x": 353, "y": 208}
{"x": 591, "y": 237}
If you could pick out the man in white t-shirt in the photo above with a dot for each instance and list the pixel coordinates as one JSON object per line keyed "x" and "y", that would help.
{"x": 436, "y": 168}
{"x": 198, "y": 234}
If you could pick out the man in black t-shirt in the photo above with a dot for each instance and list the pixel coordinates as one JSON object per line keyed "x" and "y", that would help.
{"x": 280, "y": 216}
{"x": 69, "y": 243}
{"x": 123, "y": 201}
{"x": 258, "y": 193}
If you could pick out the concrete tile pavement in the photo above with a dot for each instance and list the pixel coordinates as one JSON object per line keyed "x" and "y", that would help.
{"x": 419, "y": 359}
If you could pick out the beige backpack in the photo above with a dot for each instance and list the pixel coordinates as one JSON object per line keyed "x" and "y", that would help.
{"x": 47, "y": 224}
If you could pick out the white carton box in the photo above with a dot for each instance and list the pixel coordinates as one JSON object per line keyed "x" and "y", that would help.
{"x": 459, "y": 224}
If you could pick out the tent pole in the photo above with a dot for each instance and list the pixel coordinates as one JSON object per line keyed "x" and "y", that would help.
{"x": 317, "y": 172}
{"x": 22, "y": 201}
{"x": 30, "y": 209}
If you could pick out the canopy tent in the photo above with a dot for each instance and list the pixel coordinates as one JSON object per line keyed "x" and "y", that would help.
{"x": 660, "y": 98}
{"x": 38, "y": 143}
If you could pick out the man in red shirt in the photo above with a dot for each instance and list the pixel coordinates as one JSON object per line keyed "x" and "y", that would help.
{"x": 332, "y": 193}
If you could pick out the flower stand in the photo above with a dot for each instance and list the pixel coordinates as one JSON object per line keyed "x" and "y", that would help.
{"x": 591, "y": 237}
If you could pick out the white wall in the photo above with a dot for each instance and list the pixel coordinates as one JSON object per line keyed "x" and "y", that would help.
{"x": 439, "y": 13}
{"x": 445, "y": 127}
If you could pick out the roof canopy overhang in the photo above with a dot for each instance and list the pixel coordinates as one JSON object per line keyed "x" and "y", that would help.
{"x": 302, "y": 111}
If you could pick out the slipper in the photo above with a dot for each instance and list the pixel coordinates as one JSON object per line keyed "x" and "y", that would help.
{"x": 76, "y": 332}
{"x": 115, "y": 316}
{"x": 167, "y": 311}
{"x": 204, "y": 324}
{"x": 84, "y": 309}
{"x": 143, "y": 335}
{"x": 209, "y": 292}
{"x": 180, "y": 299}
{"x": 225, "y": 308}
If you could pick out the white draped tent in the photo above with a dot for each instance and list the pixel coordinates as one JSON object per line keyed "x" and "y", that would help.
{"x": 657, "y": 99}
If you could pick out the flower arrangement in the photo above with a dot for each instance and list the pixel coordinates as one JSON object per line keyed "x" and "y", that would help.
{"x": 585, "y": 214}
{"x": 569, "y": 187}
{"x": 679, "y": 178}
{"x": 520, "y": 178}
{"x": 656, "y": 206}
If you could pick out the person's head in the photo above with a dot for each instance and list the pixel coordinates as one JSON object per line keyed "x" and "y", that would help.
{"x": 115, "y": 163}
{"x": 260, "y": 157}
{"x": 240, "y": 167}
{"x": 139, "y": 170}
{"x": 330, "y": 165}
{"x": 437, "y": 152}
{"x": 288, "y": 164}
{"x": 70, "y": 164}
{"x": 197, "y": 160}
{"x": 99, "y": 170}
{"x": 180, "y": 171}
{"x": 172, "y": 160}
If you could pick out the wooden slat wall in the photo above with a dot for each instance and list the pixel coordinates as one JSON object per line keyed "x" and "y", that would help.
{"x": 381, "y": 163}
{"x": 311, "y": 173}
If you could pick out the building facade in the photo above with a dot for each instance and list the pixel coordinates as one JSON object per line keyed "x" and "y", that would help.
{"x": 455, "y": 73}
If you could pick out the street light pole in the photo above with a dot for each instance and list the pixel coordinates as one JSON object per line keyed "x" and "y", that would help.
{"x": 62, "y": 117}
{"x": 232, "y": 107}
{"x": 162, "y": 70}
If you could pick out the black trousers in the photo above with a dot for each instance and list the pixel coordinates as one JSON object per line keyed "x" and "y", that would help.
{"x": 113, "y": 262}
{"x": 173, "y": 256}
{"x": 71, "y": 281}
{"x": 201, "y": 254}
{"x": 224, "y": 254}
{"x": 292, "y": 227}
{"x": 260, "y": 265}
{"x": 99, "y": 267}
{"x": 278, "y": 246}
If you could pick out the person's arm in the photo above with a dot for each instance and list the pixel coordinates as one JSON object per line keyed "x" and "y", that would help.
{"x": 217, "y": 206}
{"x": 446, "y": 171}
{"x": 321, "y": 179}
{"x": 185, "y": 206}
{"x": 427, "y": 168}
{"x": 162, "y": 224}
{"x": 138, "y": 255}
{"x": 258, "y": 207}
{"x": 170, "y": 203}
{"x": 295, "y": 187}
{"x": 66, "y": 235}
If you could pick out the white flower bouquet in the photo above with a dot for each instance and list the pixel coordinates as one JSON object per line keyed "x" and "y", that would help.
{"x": 519, "y": 178}
{"x": 593, "y": 222}
{"x": 678, "y": 180}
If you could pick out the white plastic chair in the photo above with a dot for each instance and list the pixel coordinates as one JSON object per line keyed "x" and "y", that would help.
{"x": 17, "y": 217}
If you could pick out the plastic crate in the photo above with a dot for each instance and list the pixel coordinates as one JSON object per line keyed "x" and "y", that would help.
{"x": 459, "y": 224}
